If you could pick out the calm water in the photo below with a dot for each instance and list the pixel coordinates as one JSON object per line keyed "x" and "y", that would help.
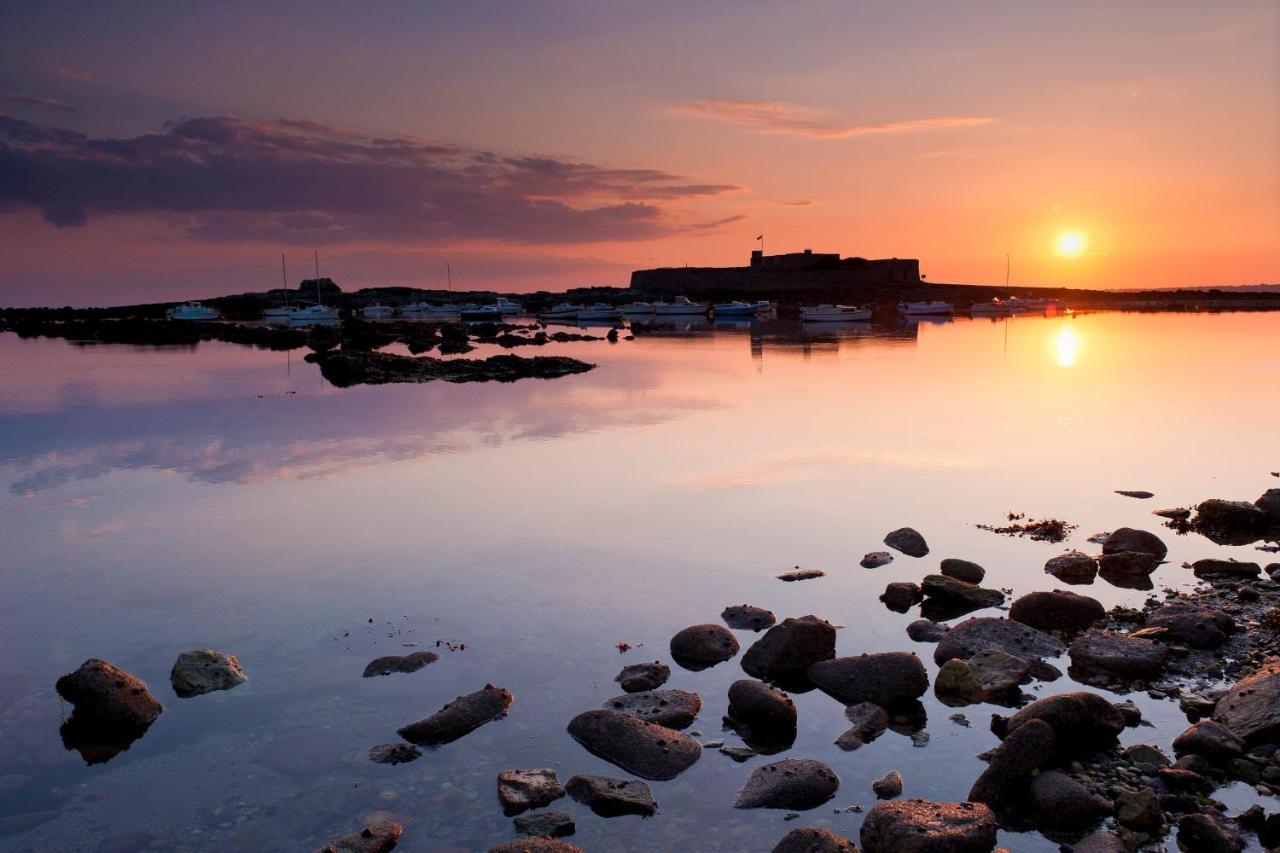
{"x": 159, "y": 500}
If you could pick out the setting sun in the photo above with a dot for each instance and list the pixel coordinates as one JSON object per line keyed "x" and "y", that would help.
{"x": 1071, "y": 244}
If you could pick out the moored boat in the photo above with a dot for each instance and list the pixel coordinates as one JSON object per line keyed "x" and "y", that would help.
{"x": 600, "y": 311}
{"x": 994, "y": 306}
{"x": 373, "y": 312}
{"x": 682, "y": 306}
{"x": 192, "y": 311}
{"x": 924, "y": 309}
{"x": 314, "y": 314}
{"x": 637, "y": 309}
{"x": 738, "y": 308}
{"x": 834, "y": 314}
{"x": 561, "y": 311}
{"x": 472, "y": 311}
{"x": 507, "y": 306}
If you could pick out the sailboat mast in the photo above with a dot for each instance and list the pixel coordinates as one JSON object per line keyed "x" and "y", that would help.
{"x": 449, "y": 274}
{"x": 284, "y": 280}
{"x": 1006, "y": 270}
{"x": 319, "y": 297}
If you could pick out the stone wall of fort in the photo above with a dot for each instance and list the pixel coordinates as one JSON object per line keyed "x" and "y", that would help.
{"x": 852, "y": 273}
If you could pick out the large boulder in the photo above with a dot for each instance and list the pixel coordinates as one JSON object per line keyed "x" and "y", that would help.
{"x": 700, "y": 646}
{"x": 989, "y": 676}
{"x": 610, "y": 797}
{"x": 1230, "y": 521}
{"x": 908, "y": 541}
{"x": 789, "y": 648}
{"x": 980, "y": 633}
{"x": 644, "y": 749}
{"x": 1197, "y": 626}
{"x": 745, "y": 617}
{"x": 675, "y": 709}
{"x": 885, "y": 678}
{"x": 1023, "y": 754}
{"x": 377, "y": 837}
{"x": 1057, "y": 610}
{"x": 1269, "y": 503}
{"x": 926, "y": 631}
{"x": 1101, "y": 654}
{"x": 922, "y": 826}
{"x": 109, "y": 695}
{"x": 1072, "y": 567}
{"x": 1251, "y": 708}
{"x": 1059, "y": 801}
{"x": 808, "y": 839}
{"x": 205, "y": 670}
{"x": 793, "y": 783}
{"x": 760, "y": 707}
{"x": 521, "y": 790}
{"x": 1127, "y": 539}
{"x": 962, "y": 570}
{"x": 1082, "y": 722}
{"x": 1128, "y": 569}
{"x": 459, "y": 717}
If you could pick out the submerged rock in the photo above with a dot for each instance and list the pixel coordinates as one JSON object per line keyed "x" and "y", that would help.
{"x": 394, "y": 753}
{"x": 812, "y": 840}
{"x": 1110, "y": 653}
{"x": 345, "y": 368}
{"x": 536, "y": 845}
{"x": 643, "y": 676}
{"x": 744, "y": 617}
{"x": 908, "y": 541}
{"x": 789, "y": 648}
{"x": 922, "y": 826}
{"x": 1251, "y": 708}
{"x": 793, "y": 783}
{"x": 1074, "y": 567}
{"x": 1082, "y": 722}
{"x": 800, "y": 574}
{"x": 113, "y": 708}
{"x": 1057, "y": 610}
{"x": 644, "y": 749}
{"x": 980, "y": 633}
{"x": 869, "y": 722}
{"x": 885, "y": 678}
{"x": 675, "y": 709}
{"x": 521, "y": 790}
{"x": 459, "y": 717}
{"x": 962, "y": 570}
{"x": 395, "y": 663}
{"x": 926, "y": 631}
{"x": 876, "y": 559}
{"x": 989, "y": 676}
{"x": 610, "y": 797}
{"x": 701, "y": 646}
{"x": 551, "y": 824}
{"x": 378, "y": 837}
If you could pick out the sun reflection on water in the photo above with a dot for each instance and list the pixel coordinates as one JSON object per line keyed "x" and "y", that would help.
{"x": 1068, "y": 345}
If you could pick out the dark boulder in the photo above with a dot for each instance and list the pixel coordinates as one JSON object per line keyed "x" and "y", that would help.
{"x": 962, "y": 570}
{"x": 761, "y": 707}
{"x": 1128, "y": 569}
{"x": 887, "y": 786}
{"x": 789, "y": 648}
{"x": 793, "y": 783}
{"x": 113, "y": 708}
{"x": 396, "y": 663}
{"x": 377, "y": 837}
{"x": 885, "y": 678}
{"x": 1112, "y": 654}
{"x": 521, "y": 790}
{"x": 1024, "y": 753}
{"x": 926, "y": 631}
{"x": 957, "y": 596}
{"x": 643, "y": 676}
{"x": 675, "y": 709}
{"x": 1197, "y": 626}
{"x": 876, "y": 559}
{"x": 1100, "y": 842}
{"x": 907, "y": 541}
{"x": 1251, "y": 708}
{"x": 701, "y": 646}
{"x": 1230, "y": 522}
{"x": 980, "y": 633}
{"x": 1059, "y": 801}
{"x": 1211, "y": 568}
{"x": 1072, "y": 567}
{"x": 811, "y": 840}
{"x": 536, "y": 845}
{"x": 459, "y": 717}
{"x": 1082, "y": 722}
{"x": 799, "y": 574}
{"x": 900, "y": 596}
{"x": 1129, "y": 539}
{"x": 745, "y": 617}
{"x": 922, "y": 826}
{"x": 1269, "y": 503}
{"x": 1206, "y": 833}
{"x": 989, "y": 676}
{"x": 610, "y": 797}
{"x": 644, "y": 749}
{"x": 1057, "y": 610}
{"x": 869, "y": 722}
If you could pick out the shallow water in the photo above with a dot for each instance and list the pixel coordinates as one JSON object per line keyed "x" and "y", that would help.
{"x": 219, "y": 496}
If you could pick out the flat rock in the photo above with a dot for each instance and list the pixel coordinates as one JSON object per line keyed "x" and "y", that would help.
{"x": 901, "y": 596}
{"x": 1210, "y": 568}
{"x": 926, "y": 631}
{"x": 962, "y": 570}
{"x": 793, "y": 783}
{"x": 989, "y": 676}
{"x": 799, "y": 574}
{"x": 980, "y": 633}
{"x": 1032, "y": 747}
{"x": 888, "y": 786}
{"x": 521, "y": 790}
{"x": 610, "y": 797}
{"x": 1135, "y": 493}
{"x": 394, "y": 753}
{"x": 701, "y": 646}
{"x": 744, "y": 617}
{"x": 396, "y": 663}
{"x": 876, "y": 559}
{"x": 644, "y": 749}
{"x": 809, "y": 839}
{"x": 869, "y": 722}
{"x": 536, "y": 845}
{"x": 1057, "y": 610}
{"x": 1060, "y": 801}
{"x": 459, "y": 717}
{"x": 1082, "y": 722}
{"x": 789, "y": 648}
{"x": 923, "y": 826}
{"x": 1131, "y": 539}
{"x": 643, "y": 676}
{"x": 675, "y": 709}
{"x": 1110, "y": 653}
{"x": 550, "y": 824}
{"x": 908, "y": 541}
{"x": 377, "y": 837}
{"x": 1197, "y": 626}
{"x": 1176, "y": 513}
{"x": 1073, "y": 567}
{"x": 885, "y": 678}
{"x": 1251, "y": 708}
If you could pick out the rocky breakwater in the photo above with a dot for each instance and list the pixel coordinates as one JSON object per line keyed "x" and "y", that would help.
{"x": 347, "y": 368}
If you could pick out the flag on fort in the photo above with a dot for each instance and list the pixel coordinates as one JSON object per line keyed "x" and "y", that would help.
{"x": 761, "y": 237}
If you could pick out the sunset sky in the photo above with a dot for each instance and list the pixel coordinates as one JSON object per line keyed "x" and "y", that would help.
{"x": 155, "y": 151}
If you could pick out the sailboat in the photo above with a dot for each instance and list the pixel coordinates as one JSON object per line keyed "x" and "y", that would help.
{"x": 280, "y": 312}
{"x": 317, "y": 313}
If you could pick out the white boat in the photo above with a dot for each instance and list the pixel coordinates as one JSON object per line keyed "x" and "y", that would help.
{"x": 562, "y": 311}
{"x": 925, "y": 309}
{"x": 373, "y": 312}
{"x": 1013, "y": 303}
{"x": 834, "y": 314}
{"x": 680, "y": 306}
{"x": 737, "y": 308}
{"x": 637, "y": 309}
{"x": 192, "y": 311}
{"x": 995, "y": 306}
{"x": 427, "y": 311}
{"x": 472, "y": 311}
{"x": 314, "y": 314}
{"x": 506, "y": 306}
{"x": 600, "y": 311}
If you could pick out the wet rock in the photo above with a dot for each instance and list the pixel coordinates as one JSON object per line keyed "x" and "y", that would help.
{"x": 885, "y": 678}
{"x": 958, "y": 595}
{"x": 1127, "y": 539}
{"x": 789, "y": 648}
{"x": 900, "y": 596}
{"x": 551, "y": 824}
{"x": 1082, "y": 722}
{"x": 869, "y": 722}
{"x": 907, "y": 541}
{"x": 1251, "y": 708}
{"x": 876, "y": 559}
{"x": 962, "y": 570}
{"x": 989, "y": 676}
{"x": 888, "y": 786}
{"x": 1100, "y": 842}
{"x": 980, "y": 633}
{"x": 1062, "y": 802}
{"x": 922, "y": 826}
{"x": 1205, "y": 833}
{"x": 113, "y": 708}
{"x": 1269, "y": 503}
{"x": 1229, "y": 521}
{"x": 738, "y": 753}
{"x": 800, "y": 574}
{"x": 1127, "y": 568}
{"x": 760, "y": 707}
{"x": 644, "y": 749}
{"x": 675, "y": 709}
{"x": 643, "y": 676}
{"x": 701, "y": 646}
{"x": 926, "y": 631}
{"x": 1139, "y": 810}
{"x": 1211, "y": 568}
{"x": 345, "y": 368}
{"x": 1135, "y": 493}
{"x": 459, "y": 717}
{"x": 811, "y": 840}
{"x": 609, "y": 797}
{"x": 1109, "y": 653}
{"x": 1179, "y": 781}
{"x": 793, "y": 783}
{"x": 377, "y": 837}
{"x": 1145, "y": 755}
{"x": 744, "y": 617}
{"x": 395, "y": 663}
{"x": 1057, "y": 610}
{"x": 1032, "y": 747}
{"x": 1132, "y": 713}
{"x": 1197, "y": 626}
{"x": 394, "y": 753}
{"x": 536, "y": 845}
{"x": 1072, "y": 567}
{"x": 521, "y": 790}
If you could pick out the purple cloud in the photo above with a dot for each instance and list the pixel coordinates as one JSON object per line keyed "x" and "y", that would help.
{"x": 21, "y": 100}
{"x": 304, "y": 181}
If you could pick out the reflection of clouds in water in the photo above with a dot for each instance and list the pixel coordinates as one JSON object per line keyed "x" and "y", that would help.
{"x": 792, "y": 467}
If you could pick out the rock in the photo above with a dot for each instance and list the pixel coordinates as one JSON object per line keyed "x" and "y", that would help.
{"x": 1024, "y": 753}
{"x": 1127, "y": 569}
{"x": 800, "y": 574}
{"x": 1109, "y": 653}
{"x": 395, "y": 663}
{"x": 1127, "y": 539}
{"x": 675, "y": 709}
{"x": 644, "y": 749}
{"x": 1062, "y": 802}
{"x": 1177, "y": 780}
{"x": 885, "y": 678}
{"x": 551, "y": 824}
{"x": 901, "y": 595}
{"x": 521, "y": 790}
{"x": 1139, "y": 810}
{"x": 1072, "y": 567}
{"x": 1132, "y": 713}
{"x": 459, "y": 717}
{"x": 113, "y": 708}
{"x": 1082, "y": 722}
{"x": 536, "y": 845}
{"x": 876, "y": 559}
{"x": 1204, "y": 833}
{"x": 958, "y": 595}
{"x": 1196, "y": 706}
{"x": 1197, "y": 626}
{"x": 744, "y": 617}
{"x": 962, "y": 570}
{"x": 1269, "y": 503}
{"x": 793, "y": 783}
{"x": 1057, "y": 610}
{"x": 1225, "y": 568}
{"x": 926, "y": 631}
{"x": 888, "y": 786}
{"x": 1173, "y": 513}
{"x": 394, "y": 753}
{"x": 1100, "y": 842}
{"x": 1135, "y": 493}
{"x": 377, "y": 837}
{"x": 922, "y": 826}
{"x": 907, "y": 541}
{"x": 1251, "y": 708}
{"x": 989, "y": 676}
{"x": 738, "y": 753}
{"x": 1212, "y": 741}
{"x": 869, "y": 722}
{"x": 702, "y": 646}
{"x": 980, "y": 633}
{"x": 1228, "y": 522}
{"x": 609, "y": 797}
{"x": 643, "y": 676}
{"x": 1145, "y": 755}
{"x": 811, "y": 840}
{"x": 789, "y": 648}
{"x": 760, "y": 707}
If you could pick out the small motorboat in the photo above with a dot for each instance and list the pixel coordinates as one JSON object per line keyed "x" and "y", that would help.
{"x": 637, "y": 309}
{"x": 737, "y": 308}
{"x": 277, "y": 313}
{"x": 562, "y": 311}
{"x": 507, "y": 307}
{"x": 995, "y": 306}
{"x": 314, "y": 314}
{"x": 680, "y": 306}
{"x": 375, "y": 312}
{"x": 472, "y": 311}
{"x": 925, "y": 309}
{"x": 1013, "y": 303}
{"x": 192, "y": 311}
{"x": 427, "y": 311}
{"x": 600, "y": 311}
{"x": 834, "y": 314}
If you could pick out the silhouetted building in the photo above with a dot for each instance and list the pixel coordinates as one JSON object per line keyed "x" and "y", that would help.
{"x": 777, "y": 274}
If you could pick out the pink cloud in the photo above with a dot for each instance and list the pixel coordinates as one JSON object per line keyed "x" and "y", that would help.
{"x": 776, "y": 117}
